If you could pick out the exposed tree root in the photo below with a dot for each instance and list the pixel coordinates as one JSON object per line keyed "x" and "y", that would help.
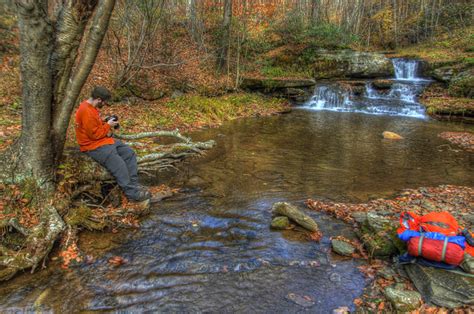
{"x": 40, "y": 241}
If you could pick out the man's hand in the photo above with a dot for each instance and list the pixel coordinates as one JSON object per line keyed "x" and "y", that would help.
{"x": 112, "y": 122}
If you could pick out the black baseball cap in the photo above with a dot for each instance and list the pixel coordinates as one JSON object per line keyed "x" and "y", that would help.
{"x": 101, "y": 92}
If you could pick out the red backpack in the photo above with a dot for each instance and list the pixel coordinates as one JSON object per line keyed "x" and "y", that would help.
{"x": 431, "y": 249}
{"x": 442, "y": 222}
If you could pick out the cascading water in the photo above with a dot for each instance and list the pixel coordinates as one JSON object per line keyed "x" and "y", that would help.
{"x": 405, "y": 69}
{"x": 327, "y": 97}
{"x": 400, "y": 99}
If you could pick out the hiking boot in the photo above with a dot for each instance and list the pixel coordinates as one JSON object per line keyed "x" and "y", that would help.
{"x": 141, "y": 196}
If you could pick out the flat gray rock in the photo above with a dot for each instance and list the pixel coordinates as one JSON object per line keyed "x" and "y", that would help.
{"x": 442, "y": 287}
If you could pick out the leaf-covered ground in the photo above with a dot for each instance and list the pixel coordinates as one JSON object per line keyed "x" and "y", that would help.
{"x": 458, "y": 200}
{"x": 462, "y": 139}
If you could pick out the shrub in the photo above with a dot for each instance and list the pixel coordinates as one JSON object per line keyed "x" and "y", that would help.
{"x": 330, "y": 36}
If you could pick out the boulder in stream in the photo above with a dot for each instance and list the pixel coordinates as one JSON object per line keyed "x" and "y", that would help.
{"x": 382, "y": 84}
{"x": 441, "y": 287}
{"x": 296, "y": 215}
{"x": 342, "y": 247}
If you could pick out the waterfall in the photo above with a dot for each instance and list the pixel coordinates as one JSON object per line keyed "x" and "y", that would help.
{"x": 327, "y": 97}
{"x": 398, "y": 91}
{"x": 400, "y": 99}
{"x": 370, "y": 92}
{"x": 405, "y": 69}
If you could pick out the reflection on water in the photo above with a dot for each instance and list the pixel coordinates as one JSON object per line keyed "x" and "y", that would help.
{"x": 210, "y": 249}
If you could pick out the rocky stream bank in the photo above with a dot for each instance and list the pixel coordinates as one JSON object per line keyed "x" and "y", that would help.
{"x": 395, "y": 286}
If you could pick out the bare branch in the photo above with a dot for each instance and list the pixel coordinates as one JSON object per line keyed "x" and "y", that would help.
{"x": 138, "y": 136}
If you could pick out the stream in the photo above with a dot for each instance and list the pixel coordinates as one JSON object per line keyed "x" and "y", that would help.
{"x": 210, "y": 249}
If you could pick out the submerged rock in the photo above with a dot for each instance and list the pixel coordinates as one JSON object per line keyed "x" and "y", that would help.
{"x": 442, "y": 287}
{"x": 351, "y": 64}
{"x": 391, "y": 136}
{"x": 342, "y": 248}
{"x": 402, "y": 299}
{"x": 296, "y": 215}
{"x": 280, "y": 222}
{"x": 301, "y": 300}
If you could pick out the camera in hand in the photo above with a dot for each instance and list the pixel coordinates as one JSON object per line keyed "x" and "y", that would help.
{"x": 113, "y": 118}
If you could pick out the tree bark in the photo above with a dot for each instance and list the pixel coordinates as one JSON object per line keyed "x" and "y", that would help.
{"x": 34, "y": 149}
{"x": 314, "y": 11}
{"x": 223, "y": 59}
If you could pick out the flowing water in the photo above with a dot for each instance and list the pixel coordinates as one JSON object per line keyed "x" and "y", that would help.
{"x": 210, "y": 249}
{"x": 400, "y": 100}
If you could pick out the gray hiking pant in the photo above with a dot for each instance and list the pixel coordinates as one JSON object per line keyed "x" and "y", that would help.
{"x": 121, "y": 161}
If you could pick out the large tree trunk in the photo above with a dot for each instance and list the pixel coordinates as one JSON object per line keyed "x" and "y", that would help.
{"x": 50, "y": 88}
{"x": 34, "y": 149}
{"x": 49, "y": 93}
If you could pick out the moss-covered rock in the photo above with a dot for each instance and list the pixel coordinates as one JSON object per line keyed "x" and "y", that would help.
{"x": 379, "y": 235}
{"x": 351, "y": 64}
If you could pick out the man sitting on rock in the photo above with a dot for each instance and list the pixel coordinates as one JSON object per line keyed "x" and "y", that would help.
{"x": 95, "y": 139}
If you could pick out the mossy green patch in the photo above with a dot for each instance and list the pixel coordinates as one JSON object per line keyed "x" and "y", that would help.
{"x": 215, "y": 110}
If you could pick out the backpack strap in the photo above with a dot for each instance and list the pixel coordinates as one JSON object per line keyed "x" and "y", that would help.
{"x": 420, "y": 244}
{"x": 445, "y": 246}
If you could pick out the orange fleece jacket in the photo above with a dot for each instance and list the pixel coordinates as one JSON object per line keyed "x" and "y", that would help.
{"x": 91, "y": 131}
